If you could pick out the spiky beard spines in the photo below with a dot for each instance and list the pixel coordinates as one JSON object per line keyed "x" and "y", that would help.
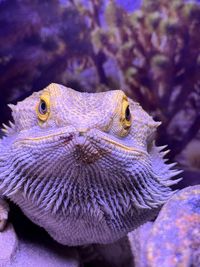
{"x": 99, "y": 190}
{"x": 163, "y": 170}
{"x": 141, "y": 190}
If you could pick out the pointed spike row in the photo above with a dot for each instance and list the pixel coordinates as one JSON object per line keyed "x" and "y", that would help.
{"x": 172, "y": 173}
{"x": 2, "y": 186}
{"x": 4, "y": 126}
{"x": 158, "y": 203}
{"x": 11, "y": 124}
{"x": 155, "y": 200}
{"x": 4, "y": 130}
{"x": 7, "y": 192}
{"x": 177, "y": 172}
{"x": 11, "y": 106}
{"x": 170, "y": 194}
{"x": 164, "y": 153}
{"x": 154, "y": 205}
{"x": 161, "y": 148}
{"x": 139, "y": 203}
{"x": 150, "y": 197}
{"x": 158, "y": 123}
{"x": 171, "y": 165}
{"x": 165, "y": 160}
{"x": 8, "y": 128}
{"x": 155, "y": 195}
{"x": 175, "y": 191}
{"x": 143, "y": 206}
{"x": 172, "y": 182}
{"x": 13, "y": 191}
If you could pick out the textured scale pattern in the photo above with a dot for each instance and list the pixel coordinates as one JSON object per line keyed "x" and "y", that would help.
{"x": 80, "y": 174}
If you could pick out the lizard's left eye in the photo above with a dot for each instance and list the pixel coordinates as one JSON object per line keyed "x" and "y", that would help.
{"x": 43, "y": 108}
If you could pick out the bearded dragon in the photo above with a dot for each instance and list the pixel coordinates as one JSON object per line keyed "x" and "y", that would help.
{"x": 84, "y": 166}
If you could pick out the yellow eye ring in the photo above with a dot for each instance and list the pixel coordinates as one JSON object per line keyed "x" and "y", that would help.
{"x": 43, "y": 107}
{"x": 126, "y": 114}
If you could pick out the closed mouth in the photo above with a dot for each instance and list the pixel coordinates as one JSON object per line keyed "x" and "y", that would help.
{"x": 67, "y": 138}
{"x": 124, "y": 147}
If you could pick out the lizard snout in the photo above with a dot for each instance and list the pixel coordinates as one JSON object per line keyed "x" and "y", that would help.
{"x": 84, "y": 150}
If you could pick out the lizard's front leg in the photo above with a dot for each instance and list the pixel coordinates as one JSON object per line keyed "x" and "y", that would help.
{"x": 4, "y": 210}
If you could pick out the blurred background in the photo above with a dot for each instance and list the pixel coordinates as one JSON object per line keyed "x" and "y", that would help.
{"x": 150, "y": 49}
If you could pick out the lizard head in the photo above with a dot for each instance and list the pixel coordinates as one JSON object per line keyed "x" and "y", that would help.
{"x": 83, "y": 153}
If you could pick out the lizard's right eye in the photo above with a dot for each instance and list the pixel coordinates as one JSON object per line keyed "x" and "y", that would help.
{"x": 126, "y": 114}
{"x": 43, "y": 108}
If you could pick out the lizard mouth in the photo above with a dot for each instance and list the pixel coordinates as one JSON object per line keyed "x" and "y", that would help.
{"x": 85, "y": 147}
{"x": 124, "y": 147}
{"x": 85, "y": 152}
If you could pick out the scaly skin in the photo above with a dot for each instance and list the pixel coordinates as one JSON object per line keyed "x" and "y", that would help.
{"x": 81, "y": 166}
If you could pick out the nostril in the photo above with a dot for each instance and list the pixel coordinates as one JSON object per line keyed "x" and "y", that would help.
{"x": 82, "y": 131}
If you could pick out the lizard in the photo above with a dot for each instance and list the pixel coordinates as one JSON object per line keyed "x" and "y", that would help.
{"x": 84, "y": 166}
